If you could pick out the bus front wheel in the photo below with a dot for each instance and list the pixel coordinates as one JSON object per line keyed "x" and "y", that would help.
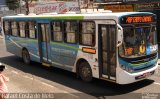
{"x": 25, "y": 56}
{"x": 85, "y": 72}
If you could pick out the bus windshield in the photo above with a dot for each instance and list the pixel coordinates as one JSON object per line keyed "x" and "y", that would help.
{"x": 138, "y": 41}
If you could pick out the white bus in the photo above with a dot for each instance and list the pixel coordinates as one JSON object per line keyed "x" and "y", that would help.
{"x": 118, "y": 47}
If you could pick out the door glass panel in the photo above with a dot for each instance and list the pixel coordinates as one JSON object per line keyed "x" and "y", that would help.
{"x": 112, "y": 36}
{"x": 43, "y": 33}
{"x": 108, "y": 47}
{"x": 104, "y": 48}
{"x": 104, "y": 38}
{"x": 47, "y": 32}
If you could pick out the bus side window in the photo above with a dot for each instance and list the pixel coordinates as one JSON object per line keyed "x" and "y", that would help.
{"x": 87, "y": 33}
{"x": 6, "y": 27}
{"x": 57, "y": 31}
{"x": 22, "y": 28}
{"x": 71, "y": 29}
{"x": 32, "y": 30}
{"x": 14, "y": 28}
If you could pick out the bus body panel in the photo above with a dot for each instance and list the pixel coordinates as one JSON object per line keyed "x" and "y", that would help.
{"x": 12, "y": 45}
{"x": 64, "y": 53}
{"x": 90, "y": 58}
{"x": 124, "y": 77}
{"x": 15, "y": 45}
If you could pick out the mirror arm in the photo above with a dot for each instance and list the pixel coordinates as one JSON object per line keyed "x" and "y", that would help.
{"x": 119, "y": 43}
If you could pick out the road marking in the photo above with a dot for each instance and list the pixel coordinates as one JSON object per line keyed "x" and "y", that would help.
{"x": 75, "y": 96}
{"x": 156, "y": 83}
{"x": 46, "y": 84}
{"x": 61, "y": 90}
{"x": 14, "y": 72}
{"x": 28, "y": 77}
{"x": 25, "y": 76}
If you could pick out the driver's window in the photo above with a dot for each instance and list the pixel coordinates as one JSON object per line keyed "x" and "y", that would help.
{"x": 129, "y": 36}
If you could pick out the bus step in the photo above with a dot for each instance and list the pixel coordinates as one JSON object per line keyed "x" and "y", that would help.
{"x": 114, "y": 81}
{"x": 46, "y": 64}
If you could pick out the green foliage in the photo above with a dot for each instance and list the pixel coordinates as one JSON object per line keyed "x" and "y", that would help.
{"x": 12, "y": 4}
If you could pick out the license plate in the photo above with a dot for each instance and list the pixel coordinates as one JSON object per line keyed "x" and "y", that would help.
{"x": 144, "y": 75}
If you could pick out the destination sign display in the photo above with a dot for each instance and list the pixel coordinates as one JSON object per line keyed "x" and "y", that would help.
{"x": 108, "y": 1}
{"x": 137, "y": 19}
{"x": 140, "y": 1}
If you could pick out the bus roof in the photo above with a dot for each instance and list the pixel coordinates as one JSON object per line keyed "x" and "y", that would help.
{"x": 78, "y": 16}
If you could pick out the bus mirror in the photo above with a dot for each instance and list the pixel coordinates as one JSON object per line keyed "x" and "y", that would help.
{"x": 119, "y": 35}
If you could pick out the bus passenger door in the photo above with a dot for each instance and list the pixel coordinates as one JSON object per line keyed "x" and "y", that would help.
{"x": 107, "y": 51}
{"x": 44, "y": 43}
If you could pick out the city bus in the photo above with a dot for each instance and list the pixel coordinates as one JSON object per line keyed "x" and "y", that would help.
{"x": 117, "y": 47}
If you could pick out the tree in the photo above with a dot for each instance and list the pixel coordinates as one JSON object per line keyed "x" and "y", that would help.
{"x": 12, "y": 4}
{"x": 27, "y": 2}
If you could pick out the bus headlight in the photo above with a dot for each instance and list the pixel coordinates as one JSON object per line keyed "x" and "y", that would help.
{"x": 123, "y": 67}
{"x": 128, "y": 69}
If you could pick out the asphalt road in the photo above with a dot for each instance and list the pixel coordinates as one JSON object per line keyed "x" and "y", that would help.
{"x": 60, "y": 84}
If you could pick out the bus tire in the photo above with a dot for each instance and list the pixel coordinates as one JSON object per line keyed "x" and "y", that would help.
{"x": 25, "y": 56}
{"x": 85, "y": 72}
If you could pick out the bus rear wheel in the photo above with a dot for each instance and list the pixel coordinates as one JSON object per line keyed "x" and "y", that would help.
{"x": 85, "y": 72}
{"x": 25, "y": 56}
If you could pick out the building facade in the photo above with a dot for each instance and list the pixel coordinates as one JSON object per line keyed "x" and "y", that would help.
{"x": 4, "y": 10}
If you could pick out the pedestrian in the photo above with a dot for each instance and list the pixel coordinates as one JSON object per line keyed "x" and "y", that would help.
{"x": 0, "y": 29}
{"x": 3, "y": 81}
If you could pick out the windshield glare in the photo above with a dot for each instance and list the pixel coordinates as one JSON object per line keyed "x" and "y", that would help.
{"x": 138, "y": 41}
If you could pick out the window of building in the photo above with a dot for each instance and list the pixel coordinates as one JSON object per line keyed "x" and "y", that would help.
{"x": 32, "y": 30}
{"x": 57, "y": 31}
{"x": 22, "y": 28}
{"x": 14, "y": 28}
{"x": 87, "y": 34}
{"x": 70, "y": 31}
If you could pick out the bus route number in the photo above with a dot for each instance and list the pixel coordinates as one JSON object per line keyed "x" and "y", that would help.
{"x": 128, "y": 51}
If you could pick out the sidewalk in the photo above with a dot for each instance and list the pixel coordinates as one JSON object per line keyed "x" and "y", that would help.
{"x": 158, "y": 55}
{"x": 1, "y": 37}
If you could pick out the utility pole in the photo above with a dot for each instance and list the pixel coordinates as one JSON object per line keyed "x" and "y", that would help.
{"x": 27, "y": 7}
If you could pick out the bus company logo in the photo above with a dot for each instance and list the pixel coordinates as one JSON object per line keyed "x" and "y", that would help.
{"x": 142, "y": 49}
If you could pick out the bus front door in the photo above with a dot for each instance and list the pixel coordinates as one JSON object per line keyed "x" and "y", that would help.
{"x": 107, "y": 51}
{"x": 44, "y": 46}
